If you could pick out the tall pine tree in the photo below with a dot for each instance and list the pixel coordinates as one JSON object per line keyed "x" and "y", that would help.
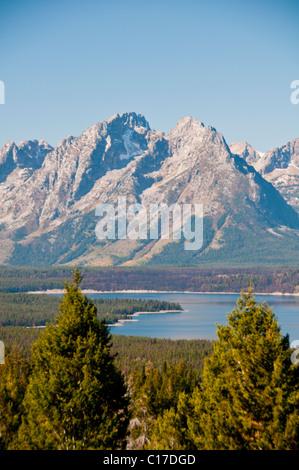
{"x": 76, "y": 397}
{"x": 249, "y": 396}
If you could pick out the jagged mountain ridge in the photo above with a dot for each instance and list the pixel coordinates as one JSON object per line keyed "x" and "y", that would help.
{"x": 279, "y": 166}
{"x": 246, "y": 151}
{"x": 47, "y": 211}
{"x": 23, "y": 158}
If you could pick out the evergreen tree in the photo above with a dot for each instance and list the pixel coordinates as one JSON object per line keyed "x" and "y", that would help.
{"x": 169, "y": 430}
{"x": 158, "y": 403}
{"x": 13, "y": 382}
{"x": 76, "y": 398}
{"x": 249, "y": 396}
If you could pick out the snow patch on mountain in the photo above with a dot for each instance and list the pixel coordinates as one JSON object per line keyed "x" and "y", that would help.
{"x": 132, "y": 148}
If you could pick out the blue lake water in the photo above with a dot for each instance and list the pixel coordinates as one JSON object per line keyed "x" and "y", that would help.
{"x": 200, "y": 315}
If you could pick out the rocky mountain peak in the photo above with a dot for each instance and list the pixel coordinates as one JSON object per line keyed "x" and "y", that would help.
{"x": 9, "y": 144}
{"x": 192, "y": 141}
{"x": 279, "y": 166}
{"x": 133, "y": 120}
{"x": 246, "y": 151}
{"x": 280, "y": 157}
{"x": 188, "y": 127}
{"x": 35, "y": 151}
{"x": 27, "y": 155}
{"x": 48, "y": 196}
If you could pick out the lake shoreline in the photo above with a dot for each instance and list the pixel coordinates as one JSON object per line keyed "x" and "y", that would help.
{"x": 201, "y": 312}
{"x": 136, "y": 314}
{"x": 91, "y": 291}
{"x": 123, "y": 320}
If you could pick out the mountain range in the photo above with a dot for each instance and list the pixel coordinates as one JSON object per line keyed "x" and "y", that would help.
{"x": 48, "y": 196}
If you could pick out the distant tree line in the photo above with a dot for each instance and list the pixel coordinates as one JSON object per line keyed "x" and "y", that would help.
{"x": 194, "y": 279}
{"x": 39, "y": 309}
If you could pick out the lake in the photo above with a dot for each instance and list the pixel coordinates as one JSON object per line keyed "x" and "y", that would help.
{"x": 201, "y": 313}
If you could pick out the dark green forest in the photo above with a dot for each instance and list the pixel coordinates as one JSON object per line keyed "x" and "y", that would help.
{"x": 131, "y": 352}
{"x": 72, "y": 385}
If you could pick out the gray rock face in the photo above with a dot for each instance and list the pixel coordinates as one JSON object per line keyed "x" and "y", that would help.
{"x": 279, "y": 166}
{"x": 246, "y": 151}
{"x": 280, "y": 158}
{"x": 27, "y": 155}
{"x": 48, "y": 196}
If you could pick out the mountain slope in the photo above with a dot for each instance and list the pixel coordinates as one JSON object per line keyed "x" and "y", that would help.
{"x": 48, "y": 215}
{"x": 279, "y": 166}
{"x": 245, "y": 217}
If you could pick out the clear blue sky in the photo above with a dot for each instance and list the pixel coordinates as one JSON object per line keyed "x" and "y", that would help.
{"x": 68, "y": 64}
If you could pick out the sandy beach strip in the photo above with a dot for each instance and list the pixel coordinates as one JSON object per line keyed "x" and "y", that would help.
{"x": 90, "y": 291}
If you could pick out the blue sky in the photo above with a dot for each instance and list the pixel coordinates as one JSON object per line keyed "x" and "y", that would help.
{"x": 69, "y": 64}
